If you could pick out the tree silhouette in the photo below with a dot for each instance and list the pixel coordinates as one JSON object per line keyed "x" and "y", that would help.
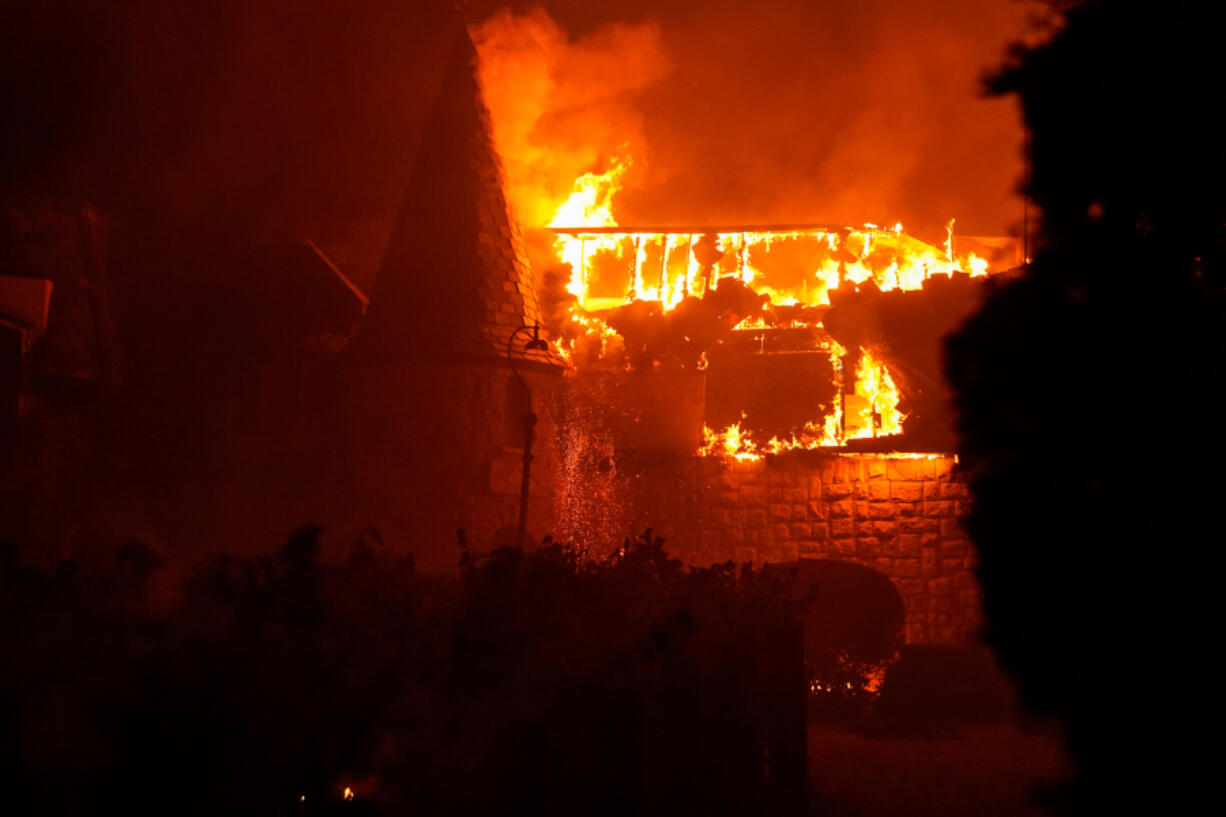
{"x": 1084, "y": 390}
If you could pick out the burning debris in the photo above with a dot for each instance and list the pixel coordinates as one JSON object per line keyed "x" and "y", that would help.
{"x": 731, "y": 341}
{"x": 683, "y": 335}
{"x": 725, "y": 300}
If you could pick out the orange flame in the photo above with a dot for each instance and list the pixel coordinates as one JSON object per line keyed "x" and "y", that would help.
{"x": 878, "y": 414}
{"x": 889, "y": 258}
{"x": 542, "y": 86}
{"x": 871, "y": 412}
{"x": 731, "y": 443}
{"x": 590, "y": 202}
{"x": 589, "y": 205}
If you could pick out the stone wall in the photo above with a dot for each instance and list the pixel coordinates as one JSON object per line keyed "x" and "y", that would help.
{"x": 431, "y": 449}
{"x": 897, "y": 516}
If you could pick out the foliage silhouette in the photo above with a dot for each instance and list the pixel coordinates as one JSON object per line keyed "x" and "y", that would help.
{"x": 528, "y": 682}
{"x": 1084, "y": 398}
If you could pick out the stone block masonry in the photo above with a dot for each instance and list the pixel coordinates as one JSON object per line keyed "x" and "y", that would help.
{"x": 898, "y": 516}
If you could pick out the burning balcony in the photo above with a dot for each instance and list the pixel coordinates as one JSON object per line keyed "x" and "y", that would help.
{"x": 771, "y": 393}
{"x": 807, "y": 336}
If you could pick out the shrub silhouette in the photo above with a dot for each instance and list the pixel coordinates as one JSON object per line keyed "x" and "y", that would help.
{"x": 936, "y": 688}
{"x": 528, "y": 682}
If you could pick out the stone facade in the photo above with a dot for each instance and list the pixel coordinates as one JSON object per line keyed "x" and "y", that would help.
{"x": 454, "y": 283}
{"x": 897, "y": 516}
{"x": 434, "y": 443}
{"x": 434, "y": 448}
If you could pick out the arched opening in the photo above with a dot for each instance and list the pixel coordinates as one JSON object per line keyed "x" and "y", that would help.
{"x": 853, "y": 629}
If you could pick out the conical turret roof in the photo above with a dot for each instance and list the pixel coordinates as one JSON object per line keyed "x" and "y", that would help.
{"x": 454, "y": 283}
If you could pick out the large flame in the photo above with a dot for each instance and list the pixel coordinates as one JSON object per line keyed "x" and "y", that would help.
{"x": 878, "y": 415}
{"x": 732, "y": 443}
{"x": 590, "y": 204}
{"x": 558, "y": 105}
{"x": 664, "y": 267}
{"x": 534, "y": 78}
{"x": 871, "y": 412}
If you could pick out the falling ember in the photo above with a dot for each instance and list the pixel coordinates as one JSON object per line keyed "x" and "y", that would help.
{"x": 589, "y": 329}
{"x": 590, "y": 494}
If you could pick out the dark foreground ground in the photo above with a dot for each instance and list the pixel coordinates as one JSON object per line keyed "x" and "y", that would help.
{"x": 978, "y": 771}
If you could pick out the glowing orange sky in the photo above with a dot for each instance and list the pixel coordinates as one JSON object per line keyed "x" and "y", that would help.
{"x": 785, "y": 111}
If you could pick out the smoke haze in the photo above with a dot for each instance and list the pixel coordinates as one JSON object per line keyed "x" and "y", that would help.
{"x": 779, "y": 112}
{"x": 773, "y": 111}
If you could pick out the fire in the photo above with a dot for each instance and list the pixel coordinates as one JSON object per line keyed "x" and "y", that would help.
{"x": 590, "y": 201}
{"x": 731, "y": 443}
{"x": 734, "y": 443}
{"x": 589, "y": 205}
{"x": 663, "y": 266}
{"x": 793, "y": 266}
{"x": 871, "y": 412}
{"x": 591, "y": 328}
{"x": 796, "y": 267}
{"x": 878, "y": 415}
{"x": 543, "y": 85}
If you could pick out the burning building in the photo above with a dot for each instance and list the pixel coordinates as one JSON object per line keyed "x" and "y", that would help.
{"x": 763, "y": 393}
{"x": 759, "y": 393}
{"x": 780, "y": 395}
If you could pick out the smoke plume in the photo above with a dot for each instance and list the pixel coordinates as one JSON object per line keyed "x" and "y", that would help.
{"x": 563, "y": 107}
{"x": 774, "y": 112}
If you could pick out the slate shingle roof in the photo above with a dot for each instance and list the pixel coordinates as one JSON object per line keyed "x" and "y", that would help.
{"x": 454, "y": 282}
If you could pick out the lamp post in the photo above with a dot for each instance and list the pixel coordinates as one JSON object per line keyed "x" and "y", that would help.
{"x": 529, "y": 420}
